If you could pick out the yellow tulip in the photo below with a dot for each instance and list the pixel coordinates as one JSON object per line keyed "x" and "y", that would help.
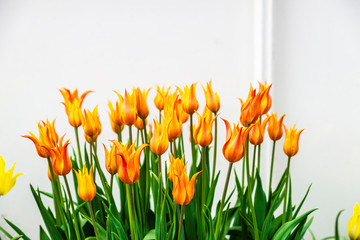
{"x": 275, "y": 129}
{"x": 112, "y": 159}
{"x": 91, "y": 125}
{"x": 129, "y": 112}
{"x": 266, "y": 99}
{"x": 176, "y": 167}
{"x": 212, "y": 99}
{"x": 160, "y": 97}
{"x": 141, "y": 103}
{"x": 86, "y": 186}
{"x": 354, "y": 224}
{"x": 159, "y": 142}
{"x": 184, "y": 189}
{"x": 250, "y": 109}
{"x": 7, "y": 179}
{"x": 291, "y": 143}
{"x": 117, "y": 123}
{"x": 188, "y": 99}
{"x": 256, "y": 134}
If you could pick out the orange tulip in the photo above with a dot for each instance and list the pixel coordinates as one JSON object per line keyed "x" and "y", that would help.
{"x": 91, "y": 125}
{"x": 159, "y": 142}
{"x": 234, "y": 147}
{"x": 250, "y": 109}
{"x": 188, "y": 99}
{"x": 275, "y": 129}
{"x": 203, "y": 132}
{"x": 176, "y": 167}
{"x": 48, "y": 138}
{"x": 141, "y": 103}
{"x": 256, "y": 134}
{"x": 73, "y": 105}
{"x": 183, "y": 190}
{"x": 117, "y": 123}
{"x": 129, "y": 112}
{"x": 61, "y": 162}
{"x": 212, "y": 99}
{"x": 86, "y": 185}
{"x": 266, "y": 99}
{"x": 112, "y": 159}
{"x": 49, "y": 174}
{"x": 291, "y": 143}
{"x": 160, "y": 97}
{"x": 139, "y": 124}
{"x": 172, "y": 120}
{"x": 129, "y": 168}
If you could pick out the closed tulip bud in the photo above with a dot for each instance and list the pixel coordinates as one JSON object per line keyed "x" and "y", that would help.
{"x": 291, "y": 143}
{"x": 234, "y": 147}
{"x": 176, "y": 167}
{"x": 354, "y": 224}
{"x": 266, "y": 99}
{"x": 60, "y": 159}
{"x": 256, "y": 134}
{"x": 188, "y": 99}
{"x": 159, "y": 142}
{"x": 183, "y": 190}
{"x": 91, "y": 125}
{"x": 7, "y": 179}
{"x": 86, "y": 186}
{"x": 115, "y": 115}
{"x": 48, "y": 138}
{"x": 141, "y": 103}
{"x": 129, "y": 112}
{"x": 139, "y": 124}
{"x": 174, "y": 128}
{"x": 160, "y": 97}
{"x": 129, "y": 168}
{"x": 112, "y": 159}
{"x": 72, "y": 105}
{"x": 212, "y": 99}
{"x": 275, "y": 129}
{"x": 250, "y": 109}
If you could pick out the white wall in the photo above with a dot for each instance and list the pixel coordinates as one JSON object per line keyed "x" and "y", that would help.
{"x": 316, "y": 80}
{"x": 105, "y": 46}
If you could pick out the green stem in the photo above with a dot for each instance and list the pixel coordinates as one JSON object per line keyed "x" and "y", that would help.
{"x": 93, "y": 220}
{"x": 131, "y": 212}
{"x": 160, "y": 178}
{"x": 101, "y": 173}
{"x": 147, "y": 171}
{"x": 72, "y": 209}
{"x": 215, "y": 152}
{"x": 119, "y": 135}
{"x": 203, "y": 192}
{"x": 272, "y": 166}
{"x": 111, "y": 182}
{"x": 223, "y": 200}
{"x": 130, "y": 134}
{"x": 253, "y": 166}
{"x": 286, "y": 190}
{"x": 259, "y": 152}
{"x": 181, "y": 222}
{"x": 78, "y": 147}
{"x": 56, "y": 194}
{"x": 174, "y": 148}
{"x": 252, "y": 210}
{"x": 193, "y": 166}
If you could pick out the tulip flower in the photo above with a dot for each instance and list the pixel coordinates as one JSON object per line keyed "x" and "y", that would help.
{"x": 183, "y": 190}
{"x": 48, "y": 138}
{"x": 139, "y": 124}
{"x": 141, "y": 103}
{"x": 117, "y": 123}
{"x": 160, "y": 97}
{"x": 266, "y": 99}
{"x": 60, "y": 158}
{"x": 73, "y": 105}
{"x": 234, "y": 147}
{"x": 275, "y": 129}
{"x": 256, "y": 134}
{"x": 291, "y": 143}
{"x": 203, "y": 132}
{"x": 250, "y": 109}
{"x": 354, "y": 224}
{"x": 7, "y": 179}
{"x": 212, "y": 99}
{"x": 176, "y": 167}
{"x": 91, "y": 125}
{"x": 49, "y": 174}
{"x": 188, "y": 99}
{"x": 112, "y": 159}
{"x": 159, "y": 142}
{"x": 172, "y": 119}
{"x": 129, "y": 167}
{"x": 86, "y": 185}
{"x": 129, "y": 112}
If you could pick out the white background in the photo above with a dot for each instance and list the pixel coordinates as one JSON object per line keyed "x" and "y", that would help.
{"x": 113, "y": 45}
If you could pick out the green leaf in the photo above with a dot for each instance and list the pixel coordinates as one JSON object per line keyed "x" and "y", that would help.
{"x": 6, "y": 233}
{"x": 337, "y": 235}
{"x": 150, "y": 235}
{"x": 43, "y": 235}
{"x": 301, "y": 203}
{"x": 284, "y": 231}
{"x": 259, "y": 202}
{"x": 210, "y": 198}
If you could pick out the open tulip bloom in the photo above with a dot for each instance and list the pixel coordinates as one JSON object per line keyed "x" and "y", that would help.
{"x": 157, "y": 196}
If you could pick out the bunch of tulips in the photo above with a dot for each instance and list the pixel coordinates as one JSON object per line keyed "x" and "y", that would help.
{"x": 163, "y": 193}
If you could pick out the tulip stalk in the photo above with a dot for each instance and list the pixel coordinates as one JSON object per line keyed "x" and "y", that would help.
{"x": 181, "y": 222}
{"x": 223, "y": 200}
{"x": 215, "y": 151}
{"x": 78, "y": 146}
{"x": 56, "y": 193}
{"x": 203, "y": 192}
{"x": 193, "y": 166}
{"x": 272, "y": 166}
{"x": 131, "y": 212}
{"x": 147, "y": 170}
{"x": 72, "y": 209}
{"x": 284, "y": 218}
{"x": 93, "y": 220}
